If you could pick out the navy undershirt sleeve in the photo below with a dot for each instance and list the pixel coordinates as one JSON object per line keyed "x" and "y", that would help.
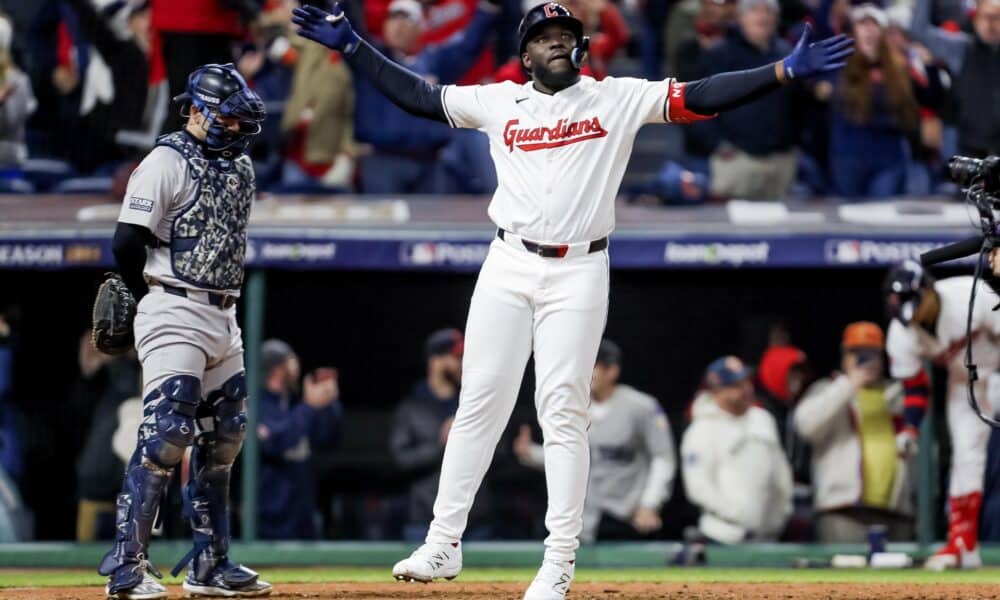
{"x": 406, "y": 89}
{"x": 729, "y": 90}
{"x": 129, "y": 247}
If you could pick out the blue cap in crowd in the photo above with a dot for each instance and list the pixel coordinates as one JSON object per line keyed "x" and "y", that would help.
{"x": 445, "y": 341}
{"x": 726, "y": 371}
{"x": 274, "y": 352}
{"x": 609, "y": 353}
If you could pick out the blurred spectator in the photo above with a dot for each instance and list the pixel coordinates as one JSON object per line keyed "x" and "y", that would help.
{"x": 17, "y": 102}
{"x": 932, "y": 86}
{"x": 696, "y": 33}
{"x": 632, "y": 456}
{"x": 101, "y": 75}
{"x": 607, "y": 29}
{"x": 832, "y": 17}
{"x": 405, "y": 148}
{"x": 735, "y": 469}
{"x": 268, "y": 61}
{"x": 654, "y": 18}
{"x": 781, "y": 378}
{"x": 110, "y": 381}
{"x": 974, "y": 60}
{"x": 16, "y": 520}
{"x": 441, "y": 20}
{"x": 421, "y": 425}
{"x": 861, "y": 465}
{"x": 318, "y": 122}
{"x": 190, "y": 33}
{"x": 672, "y": 185}
{"x": 269, "y": 48}
{"x": 298, "y": 415}
{"x": 875, "y": 108}
{"x": 11, "y": 425}
{"x": 752, "y": 147}
{"x": 602, "y": 21}
{"x": 445, "y": 18}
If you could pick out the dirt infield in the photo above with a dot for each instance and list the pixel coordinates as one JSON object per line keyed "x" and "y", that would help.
{"x": 580, "y": 591}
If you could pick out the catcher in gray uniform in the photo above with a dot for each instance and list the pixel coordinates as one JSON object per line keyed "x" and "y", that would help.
{"x": 632, "y": 456}
{"x": 180, "y": 245}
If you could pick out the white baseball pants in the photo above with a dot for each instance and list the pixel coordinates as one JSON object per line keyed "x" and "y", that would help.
{"x": 969, "y": 435}
{"x": 556, "y": 307}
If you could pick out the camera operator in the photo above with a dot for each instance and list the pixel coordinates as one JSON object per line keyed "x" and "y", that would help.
{"x": 929, "y": 324}
{"x": 860, "y": 462}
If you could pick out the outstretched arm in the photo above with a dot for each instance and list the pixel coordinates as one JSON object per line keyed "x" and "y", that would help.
{"x": 728, "y": 90}
{"x": 406, "y": 89}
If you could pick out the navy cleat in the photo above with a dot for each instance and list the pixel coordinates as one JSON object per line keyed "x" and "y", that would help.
{"x": 223, "y": 580}
{"x": 132, "y": 581}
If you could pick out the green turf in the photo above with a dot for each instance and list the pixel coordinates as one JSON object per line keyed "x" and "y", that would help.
{"x": 23, "y": 578}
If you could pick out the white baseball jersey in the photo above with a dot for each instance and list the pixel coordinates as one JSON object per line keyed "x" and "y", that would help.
{"x": 158, "y": 191}
{"x": 909, "y": 346}
{"x": 559, "y": 158}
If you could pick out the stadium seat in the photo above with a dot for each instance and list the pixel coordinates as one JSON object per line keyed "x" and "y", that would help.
{"x": 45, "y": 173}
{"x": 84, "y": 185}
{"x": 304, "y": 188}
{"x": 16, "y": 186}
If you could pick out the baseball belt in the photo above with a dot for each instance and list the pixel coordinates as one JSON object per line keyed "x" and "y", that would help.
{"x": 551, "y": 250}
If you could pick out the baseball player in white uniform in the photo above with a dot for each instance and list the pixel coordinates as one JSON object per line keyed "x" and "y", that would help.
{"x": 929, "y": 325}
{"x": 180, "y": 246}
{"x": 560, "y": 144}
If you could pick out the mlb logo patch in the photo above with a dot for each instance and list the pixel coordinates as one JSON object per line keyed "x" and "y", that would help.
{"x": 143, "y": 204}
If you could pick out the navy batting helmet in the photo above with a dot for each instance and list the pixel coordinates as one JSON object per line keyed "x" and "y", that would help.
{"x": 904, "y": 289}
{"x": 546, "y": 14}
{"x": 220, "y": 91}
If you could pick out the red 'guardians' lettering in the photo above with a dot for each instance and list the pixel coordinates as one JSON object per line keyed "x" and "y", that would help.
{"x": 563, "y": 134}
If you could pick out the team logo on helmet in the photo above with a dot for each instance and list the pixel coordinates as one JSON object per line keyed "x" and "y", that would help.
{"x": 552, "y": 10}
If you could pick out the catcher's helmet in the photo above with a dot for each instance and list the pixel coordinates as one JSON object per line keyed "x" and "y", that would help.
{"x": 546, "y": 14}
{"x": 904, "y": 289}
{"x": 220, "y": 91}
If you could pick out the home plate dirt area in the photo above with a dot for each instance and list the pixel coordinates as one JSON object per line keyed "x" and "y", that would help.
{"x": 580, "y": 591}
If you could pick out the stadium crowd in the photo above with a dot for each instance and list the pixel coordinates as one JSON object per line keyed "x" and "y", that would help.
{"x": 85, "y": 87}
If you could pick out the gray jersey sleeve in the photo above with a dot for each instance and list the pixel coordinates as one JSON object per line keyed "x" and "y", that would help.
{"x": 153, "y": 190}
{"x": 655, "y": 431}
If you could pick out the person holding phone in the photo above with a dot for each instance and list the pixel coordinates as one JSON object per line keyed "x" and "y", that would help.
{"x": 297, "y": 416}
{"x": 862, "y": 454}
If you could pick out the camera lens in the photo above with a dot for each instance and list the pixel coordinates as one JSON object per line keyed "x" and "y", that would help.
{"x": 964, "y": 169}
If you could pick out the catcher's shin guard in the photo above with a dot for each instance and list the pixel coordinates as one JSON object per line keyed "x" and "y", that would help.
{"x": 136, "y": 511}
{"x": 167, "y": 430}
{"x": 206, "y": 496}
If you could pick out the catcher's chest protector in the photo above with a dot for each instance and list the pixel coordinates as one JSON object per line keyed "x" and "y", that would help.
{"x": 209, "y": 238}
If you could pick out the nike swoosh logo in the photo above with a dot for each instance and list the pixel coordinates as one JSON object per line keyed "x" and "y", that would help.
{"x": 519, "y": 100}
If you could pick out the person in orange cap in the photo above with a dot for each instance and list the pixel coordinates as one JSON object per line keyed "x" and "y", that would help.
{"x": 861, "y": 456}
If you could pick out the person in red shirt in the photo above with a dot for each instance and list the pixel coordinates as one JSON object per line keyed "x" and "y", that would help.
{"x": 190, "y": 33}
{"x": 442, "y": 19}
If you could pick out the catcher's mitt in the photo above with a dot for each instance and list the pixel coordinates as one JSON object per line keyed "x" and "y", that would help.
{"x": 114, "y": 311}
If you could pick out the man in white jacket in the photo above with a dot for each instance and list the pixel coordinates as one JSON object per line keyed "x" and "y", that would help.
{"x": 862, "y": 454}
{"x": 734, "y": 466}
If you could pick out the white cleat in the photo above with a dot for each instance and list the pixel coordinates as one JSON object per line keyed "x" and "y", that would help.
{"x": 552, "y": 581}
{"x": 430, "y": 562}
{"x": 148, "y": 589}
